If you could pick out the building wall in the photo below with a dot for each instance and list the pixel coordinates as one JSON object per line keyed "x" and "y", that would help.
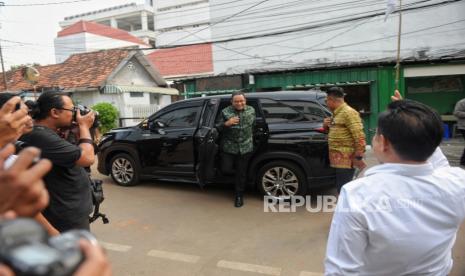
{"x": 176, "y": 21}
{"x": 106, "y": 14}
{"x": 126, "y": 17}
{"x": 430, "y": 31}
{"x": 68, "y": 45}
{"x": 85, "y": 42}
{"x": 91, "y": 98}
{"x": 133, "y": 73}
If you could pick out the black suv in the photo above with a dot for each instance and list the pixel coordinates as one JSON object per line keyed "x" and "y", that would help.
{"x": 180, "y": 143}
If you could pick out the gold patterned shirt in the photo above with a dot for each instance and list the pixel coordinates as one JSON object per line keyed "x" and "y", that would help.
{"x": 346, "y": 138}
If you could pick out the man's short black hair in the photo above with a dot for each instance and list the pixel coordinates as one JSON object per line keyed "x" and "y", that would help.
{"x": 336, "y": 92}
{"x": 237, "y": 93}
{"x": 46, "y": 101}
{"x": 414, "y": 129}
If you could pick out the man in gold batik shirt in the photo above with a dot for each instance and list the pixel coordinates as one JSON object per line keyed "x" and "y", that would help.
{"x": 346, "y": 138}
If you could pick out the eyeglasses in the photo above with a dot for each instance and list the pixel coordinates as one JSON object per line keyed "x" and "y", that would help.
{"x": 69, "y": 109}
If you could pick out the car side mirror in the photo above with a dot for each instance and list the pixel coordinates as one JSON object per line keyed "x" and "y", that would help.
{"x": 157, "y": 126}
{"x": 160, "y": 124}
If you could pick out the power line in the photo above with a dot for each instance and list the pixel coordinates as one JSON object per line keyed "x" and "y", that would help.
{"x": 45, "y": 4}
{"x": 251, "y": 7}
{"x": 356, "y": 43}
{"x": 324, "y": 22}
{"x": 299, "y": 29}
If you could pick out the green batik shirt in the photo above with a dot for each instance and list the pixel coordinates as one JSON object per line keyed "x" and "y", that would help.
{"x": 238, "y": 139}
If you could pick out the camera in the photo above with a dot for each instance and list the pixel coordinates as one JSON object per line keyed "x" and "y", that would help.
{"x": 28, "y": 250}
{"x": 83, "y": 110}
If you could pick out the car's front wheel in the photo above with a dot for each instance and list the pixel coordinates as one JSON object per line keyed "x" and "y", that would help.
{"x": 124, "y": 170}
{"x": 281, "y": 179}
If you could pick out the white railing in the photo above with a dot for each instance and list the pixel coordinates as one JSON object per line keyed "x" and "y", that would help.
{"x": 137, "y": 111}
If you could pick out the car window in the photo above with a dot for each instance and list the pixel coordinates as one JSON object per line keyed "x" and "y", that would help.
{"x": 182, "y": 117}
{"x": 311, "y": 110}
{"x": 277, "y": 112}
{"x": 207, "y": 116}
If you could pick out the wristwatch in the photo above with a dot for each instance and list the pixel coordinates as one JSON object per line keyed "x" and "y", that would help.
{"x": 358, "y": 158}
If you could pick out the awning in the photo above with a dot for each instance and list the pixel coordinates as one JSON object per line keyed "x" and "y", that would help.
{"x": 211, "y": 92}
{"x": 116, "y": 89}
{"x": 440, "y": 70}
{"x": 303, "y": 86}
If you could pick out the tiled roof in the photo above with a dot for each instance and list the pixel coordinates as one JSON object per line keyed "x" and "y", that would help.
{"x": 79, "y": 70}
{"x": 183, "y": 61}
{"x": 99, "y": 29}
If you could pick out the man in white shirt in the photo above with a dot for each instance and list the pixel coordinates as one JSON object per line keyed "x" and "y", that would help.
{"x": 403, "y": 216}
{"x": 437, "y": 159}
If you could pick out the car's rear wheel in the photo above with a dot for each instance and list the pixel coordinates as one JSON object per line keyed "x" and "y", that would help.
{"x": 124, "y": 170}
{"x": 281, "y": 179}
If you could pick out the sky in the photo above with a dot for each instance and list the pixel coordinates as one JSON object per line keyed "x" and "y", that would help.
{"x": 27, "y": 32}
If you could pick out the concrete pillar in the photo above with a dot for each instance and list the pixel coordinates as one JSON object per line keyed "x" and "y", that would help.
{"x": 113, "y": 23}
{"x": 144, "y": 21}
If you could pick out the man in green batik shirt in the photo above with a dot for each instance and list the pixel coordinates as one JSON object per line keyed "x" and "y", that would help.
{"x": 237, "y": 146}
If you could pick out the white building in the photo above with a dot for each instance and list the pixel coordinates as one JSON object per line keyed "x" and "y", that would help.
{"x": 277, "y": 35}
{"x": 137, "y": 19}
{"x": 84, "y": 36}
{"x": 282, "y": 34}
{"x": 179, "y": 22}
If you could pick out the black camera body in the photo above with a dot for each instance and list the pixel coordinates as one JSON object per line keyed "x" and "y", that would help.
{"x": 28, "y": 250}
{"x": 83, "y": 110}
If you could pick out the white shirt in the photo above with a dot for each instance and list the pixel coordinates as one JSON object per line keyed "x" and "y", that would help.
{"x": 397, "y": 220}
{"x": 438, "y": 160}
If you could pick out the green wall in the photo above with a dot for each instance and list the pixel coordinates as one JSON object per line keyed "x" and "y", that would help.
{"x": 441, "y": 99}
{"x": 381, "y": 81}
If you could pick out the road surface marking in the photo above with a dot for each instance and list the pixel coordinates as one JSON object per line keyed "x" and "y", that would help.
{"x": 115, "y": 247}
{"x": 306, "y": 273}
{"x": 174, "y": 256}
{"x": 250, "y": 267}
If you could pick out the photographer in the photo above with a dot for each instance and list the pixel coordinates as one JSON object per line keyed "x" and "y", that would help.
{"x": 67, "y": 183}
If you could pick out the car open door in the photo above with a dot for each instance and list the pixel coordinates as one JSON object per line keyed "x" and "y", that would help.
{"x": 206, "y": 143}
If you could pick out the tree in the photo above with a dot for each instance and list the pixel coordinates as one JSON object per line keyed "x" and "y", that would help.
{"x": 108, "y": 114}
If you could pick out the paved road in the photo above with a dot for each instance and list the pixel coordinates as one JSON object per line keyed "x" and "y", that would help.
{"x": 177, "y": 229}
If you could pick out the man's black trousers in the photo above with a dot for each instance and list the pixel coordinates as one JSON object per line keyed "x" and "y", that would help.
{"x": 237, "y": 164}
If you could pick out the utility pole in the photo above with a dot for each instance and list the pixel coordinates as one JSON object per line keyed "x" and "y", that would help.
{"x": 3, "y": 69}
{"x": 398, "y": 46}
{"x": 1, "y": 59}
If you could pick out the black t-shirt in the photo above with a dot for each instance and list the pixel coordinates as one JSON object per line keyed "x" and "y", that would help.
{"x": 67, "y": 183}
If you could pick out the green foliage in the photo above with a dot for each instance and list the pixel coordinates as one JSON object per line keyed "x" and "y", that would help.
{"x": 108, "y": 115}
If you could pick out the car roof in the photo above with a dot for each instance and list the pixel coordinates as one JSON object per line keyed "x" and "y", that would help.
{"x": 290, "y": 95}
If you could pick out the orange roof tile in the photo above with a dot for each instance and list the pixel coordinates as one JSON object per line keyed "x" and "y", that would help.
{"x": 99, "y": 29}
{"x": 185, "y": 60}
{"x": 79, "y": 70}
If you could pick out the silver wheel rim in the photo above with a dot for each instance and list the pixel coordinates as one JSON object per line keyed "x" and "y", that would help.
{"x": 122, "y": 170}
{"x": 279, "y": 182}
